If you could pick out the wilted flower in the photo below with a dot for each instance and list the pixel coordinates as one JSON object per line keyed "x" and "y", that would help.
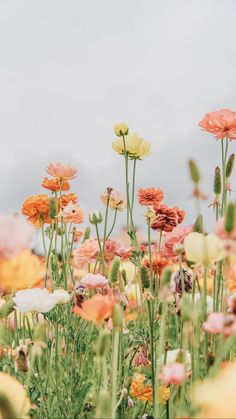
{"x": 86, "y": 253}
{"x": 150, "y": 196}
{"x": 61, "y": 171}
{"x": 36, "y": 208}
{"x": 21, "y": 355}
{"x": 15, "y": 235}
{"x": 141, "y": 357}
{"x": 55, "y": 185}
{"x": 173, "y": 373}
{"x": 174, "y": 238}
{"x": 96, "y": 309}
{"x": 18, "y": 404}
{"x": 135, "y": 147}
{"x": 61, "y": 296}
{"x": 34, "y": 300}
{"x": 121, "y": 129}
{"x": 203, "y": 249}
{"x": 221, "y": 123}
{"x": 114, "y": 198}
{"x": 72, "y": 213}
{"x": 176, "y": 281}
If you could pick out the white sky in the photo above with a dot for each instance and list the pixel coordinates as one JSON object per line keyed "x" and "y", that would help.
{"x": 71, "y": 69}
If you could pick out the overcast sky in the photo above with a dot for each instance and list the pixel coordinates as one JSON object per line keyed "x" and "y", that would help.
{"x": 71, "y": 69}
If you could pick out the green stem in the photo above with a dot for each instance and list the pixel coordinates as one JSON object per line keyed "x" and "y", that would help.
{"x": 115, "y": 356}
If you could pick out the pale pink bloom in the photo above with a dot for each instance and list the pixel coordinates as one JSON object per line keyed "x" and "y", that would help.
{"x": 72, "y": 213}
{"x": 125, "y": 252}
{"x": 173, "y": 373}
{"x": 16, "y": 235}
{"x": 173, "y": 239}
{"x": 218, "y": 323}
{"x": 94, "y": 281}
{"x": 111, "y": 250}
{"x": 221, "y": 233}
{"x": 86, "y": 253}
{"x": 221, "y": 123}
{"x": 116, "y": 199}
{"x": 61, "y": 172}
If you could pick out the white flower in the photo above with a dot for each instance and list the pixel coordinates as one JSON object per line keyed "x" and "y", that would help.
{"x": 172, "y": 356}
{"x": 209, "y": 302}
{"x": 61, "y": 296}
{"x": 35, "y": 299}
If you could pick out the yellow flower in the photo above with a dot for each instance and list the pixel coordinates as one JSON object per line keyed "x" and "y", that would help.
{"x": 135, "y": 146}
{"x": 163, "y": 394}
{"x": 14, "y": 401}
{"x": 20, "y": 272}
{"x": 121, "y": 129}
{"x": 202, "y": 249}
{"x": 216, "y": 396}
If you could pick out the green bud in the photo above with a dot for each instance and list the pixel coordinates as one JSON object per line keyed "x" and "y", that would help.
{"x": 114, "y": 271}
{"x": 217, "y": 181}
{"x": 95, "y": 217}
{"x": 194, "y": 172}
{"x": 122, "y": 284}
{"x": 86, "y": 234}
{"x": 198, "y": 225}
{"x": 123, "y": 273}
{"x": 230, "y": 166}
{"x": 6, "y": 309}
{"x": 103, "y": 343}
{"x": 230, "y": 217}
{"x": 52, "y": 208}
{"x": 166, "y": 276}
{"x": 144, "y": 277}
{"x": 104, "y": 405}
{"x": 117, "y": 316}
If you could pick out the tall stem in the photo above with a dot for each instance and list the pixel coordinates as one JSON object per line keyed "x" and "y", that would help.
{"x": 115, "y": 356}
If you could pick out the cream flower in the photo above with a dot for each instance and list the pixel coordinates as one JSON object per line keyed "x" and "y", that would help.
{"x": 121, "y": 129}
{"x": 13, "y": 392}
{"x": 61, "y": 296}
{"x": 174, "y": 355}
{"x": 202, "y": 249}
{"x": 135, "y": 146}
{"x": 34, "y": 300}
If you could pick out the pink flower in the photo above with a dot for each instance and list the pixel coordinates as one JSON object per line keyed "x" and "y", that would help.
{"x": 125, "y": 252}
{"x": 218, "y": 323}
{"x": 173, "y": 373}
{"x": 86, "y": 253}
{"x": 61, "y": 172}
{"x": 15, "y": 235}
{"x": 221, "y": 233}
{"x": 112, "y": 248}
{"x": 221, "y": 123}
{"x": 92, "y": 281}
{"x": 175, "y": 237}
{"x": 73, "y": 214}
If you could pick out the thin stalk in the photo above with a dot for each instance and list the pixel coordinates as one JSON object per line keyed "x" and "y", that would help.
{"x": 115, "y": 357}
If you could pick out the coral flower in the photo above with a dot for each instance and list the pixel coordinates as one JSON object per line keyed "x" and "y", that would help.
{"x": 92, "y": 281}
{"x": 150, "y": 196}
{"x": 174, "y": 239}
{"x": 66, "y": 199}
{"x": 20, "y": 272}
{"x": 96, "y": 309}
{"x": 173, "y": 373}
{"x": 72, "y": 213}
{"x": 111, "y": 250}
{"x": 54, "y": 185}
{"x": 159, "y": 262}
{"x": 61, "y": 172}
{"x": 16, "y": 235}
{"x": 36, "y": 208}
{"x": 143, "y": 392}
{"x": 114, "y": 198}
{"x": 86, "y": 253}
{"x": 221, "y": 123}
{"x": 135, "y": 147}
{"x": 166, "y": 218}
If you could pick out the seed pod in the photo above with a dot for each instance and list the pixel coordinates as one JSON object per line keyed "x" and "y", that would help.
{"x": 230, "y": 217}
{"x": 86, "y": 234}
{"x": 198, "y": 225}
{"x": 144, "y": 277}
{"x": 194, "y": 172}
{"x": 114, "y": 272}
{"x": 166, "y": 276}
{"x": 230, "y": 166}
{"x": 217, "y": 181}
{"x": 52, "y": 208}
{"x": 117, "y": 317}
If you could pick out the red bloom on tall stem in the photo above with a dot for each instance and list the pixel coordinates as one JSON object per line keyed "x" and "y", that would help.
{"x": 150, "y": 196}
{"x": 221, "y": 123}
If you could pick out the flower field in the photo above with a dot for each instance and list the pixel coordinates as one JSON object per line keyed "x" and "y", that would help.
{"x": 99, "y": 327}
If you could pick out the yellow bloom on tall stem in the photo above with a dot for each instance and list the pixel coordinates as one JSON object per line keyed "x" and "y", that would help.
{"x": 121, "y": 129}
{"x": 203, "y": 249}
{"x": 135, "y": 146}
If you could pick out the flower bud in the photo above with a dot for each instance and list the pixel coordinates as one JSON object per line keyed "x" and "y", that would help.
{"x": 103, "y": 343}
{"x": 194, "y": 172}
{"x": 6, "y": 309}
{"x": 95, "y": 217}
{"x": 144, "y": 277}
{"x": 52, "y": 208}
{"x": 166, "y": 276}
{"x": 86, "y": 234}
{"x": 198, "y": 225}
{"x": 114, "y": 271}
{"x": 229, "y": 166}
{"x": 123, "y": 273}
{"x": 117, "y": 317}
{"x": 217, "y": 181}
{"x": 230, "y": 217}
{"x": 121, "y": 129}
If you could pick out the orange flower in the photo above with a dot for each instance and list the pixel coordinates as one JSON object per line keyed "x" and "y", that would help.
{"x": 96, "y": 309}
{"x": 36, "y": 208}
{"x": 54, "y": 184}
{"x": 221, "y": 123}
{"x": 159, "y": 262}
{"x": 166, "y": 218}
{"x": 180, "y": 214}
{"x": 66, "y": 199}
{"x": 61, "y": 172}
{"x": 139, "y": 390}
{"x": 21, "y": 272}
{"x": 150, "y": 196}
{"x": 72, "y": 213}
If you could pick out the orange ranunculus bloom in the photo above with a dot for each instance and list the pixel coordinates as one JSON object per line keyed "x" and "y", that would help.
{"x": 20, "y": 272}
{"x": 150, "y": 196}
{"x": 143, "y": 392}
{"x": 221, "y": 123}
{"x": 166, "y": 219}
{"x": 54, "y": 184}
{"x": 36, "y": 208}
{"x": 159, "y": 262}
{"x": 66, "y": 199}
{"x": 97, "y": 308}
{"x": 61, "y": 172}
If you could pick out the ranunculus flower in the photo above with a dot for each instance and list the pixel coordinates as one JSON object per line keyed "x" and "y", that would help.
{"x": 173, "y": 373}
{"x": 72, "y": 213}
{"x": 61, "y": 296}
{"x": 218, "y": 323}
{"x": 36, "y": 208}
{"x": 173, "y": 239}
{"x": 34, "y": 300}
{"x": 54, "y": 185}
{"x": 202, "y": 249}
{"x": 61, "y": 171}
{"x": 150, "y": 196}
{"x": 16, "y": 235}
{"x": 174, "y": 356}
{"x": 221, "y": 123}
{"x": 94, "y": 281}
{"x": 86, "y": 253}
{"x": 135, "y": 146}
{"x": 166, "y": 218}
{"x": 121, "y": 129}
{"x": 96, "y": 309}
{"x": 116, "y": 199}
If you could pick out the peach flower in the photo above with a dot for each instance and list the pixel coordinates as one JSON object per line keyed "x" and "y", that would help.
{"x": 36, "y": 208}
{"x": 174, "y": 238}
{"x": 16, "y": 235}
{"x": 221, "y": 123}
{"x": 150, "y": 196}
{"x": 54, "y": 184}
{"x": 72, "y": 213}
{"x": 61, "y": 172}
{"x": 218, "y": 323}
{"x": 66, "y": 199}
{"x": 159, "y": 262}
{"x": 96, "y": 309}
{"x": 116, "y": 199}
{"x": 86, "y": 253}
{"x": 173, "y": 373}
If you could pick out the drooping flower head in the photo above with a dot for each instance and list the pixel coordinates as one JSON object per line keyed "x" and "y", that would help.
{"x": 54, "y": 184}
{"x": 135, "y": 146}
{"x": 114, "y": 198}
{"x": 221, "y": 123}
{"x": 36, "y": 208}
{"x": 61, "y": 171}
{"x": 16, "y": 235}
{"x": 150, "y": 196}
